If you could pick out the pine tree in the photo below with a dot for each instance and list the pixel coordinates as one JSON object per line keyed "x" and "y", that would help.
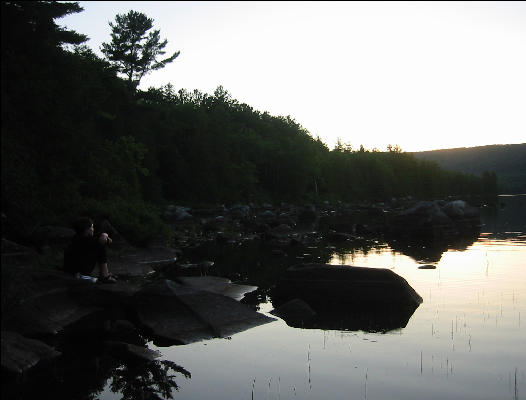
{"x": 133, "y": 50}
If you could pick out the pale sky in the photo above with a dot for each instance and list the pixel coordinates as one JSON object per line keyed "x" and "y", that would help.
{"x": 423, "y": 75}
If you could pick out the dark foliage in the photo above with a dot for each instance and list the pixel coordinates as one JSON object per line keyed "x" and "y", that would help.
{"x": 78, "y": 140}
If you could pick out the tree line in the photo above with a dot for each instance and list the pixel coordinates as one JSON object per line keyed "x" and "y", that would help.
{"x": 77, "y": 139}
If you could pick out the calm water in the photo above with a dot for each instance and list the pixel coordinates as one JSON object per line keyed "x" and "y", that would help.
{"x": 467, "y": 340}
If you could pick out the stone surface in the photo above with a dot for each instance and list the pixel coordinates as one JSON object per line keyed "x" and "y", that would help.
{"x": 40, "y": 302}
{"x": 427, "y": 266}
{"x": 215, "y": 284}
{"x": 323, "y": 286}
{"x": 20, "y": 353}
{"x": 183, "y": 314}
{"x": 295, "y": 312}
{"x": 128, "y": 350}
{"x": 344, "y": 298}
{"x": 16, "y": 254}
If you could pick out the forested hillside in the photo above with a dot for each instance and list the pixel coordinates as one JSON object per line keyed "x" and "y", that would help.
{"x": 79, "y": 140}
{"x": 507, "y": 161}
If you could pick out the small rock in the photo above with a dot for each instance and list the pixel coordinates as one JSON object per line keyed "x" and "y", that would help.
{"x": 427, "y": 266}
{"x": 294, "y": 311}
{"x": 127, "y": 350}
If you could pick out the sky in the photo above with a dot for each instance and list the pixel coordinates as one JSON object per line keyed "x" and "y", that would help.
{"x": 421, "y": 75}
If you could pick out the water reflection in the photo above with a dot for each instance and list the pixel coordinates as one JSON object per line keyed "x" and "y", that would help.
{"x": 465, "y": 341}
{"x": 431, "y": 251}
{"x": 372, "y": 319}
{"x": 154, "y": 380}
{"x": 84, "y": 371}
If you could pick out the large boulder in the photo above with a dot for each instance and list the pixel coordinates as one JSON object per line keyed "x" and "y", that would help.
{"x": 322, "y": 286}
{"x": 425, "y": 220}
{"x": 344, "y": 298}
{"x": 435, "y": 220}
{"x": 464, "y": 216}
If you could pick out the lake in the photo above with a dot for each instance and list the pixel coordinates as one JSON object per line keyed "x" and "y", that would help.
{"x": 467, "y": 340}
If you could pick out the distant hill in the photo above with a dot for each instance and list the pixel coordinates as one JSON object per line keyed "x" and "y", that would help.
{"x": 508, "y": 161}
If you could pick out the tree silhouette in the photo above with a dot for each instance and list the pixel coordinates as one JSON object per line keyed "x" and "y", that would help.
{"x": 133, "y": 50}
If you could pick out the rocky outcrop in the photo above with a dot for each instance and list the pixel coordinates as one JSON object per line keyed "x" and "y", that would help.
{"x": 39, "y": 304}
{"x": 435, "y": 220}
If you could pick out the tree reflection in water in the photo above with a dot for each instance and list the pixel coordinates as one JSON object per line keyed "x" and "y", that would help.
{"x": 154, "y": 380}
{"x": 430, "y": 251}
{"x": 83, "y": 374}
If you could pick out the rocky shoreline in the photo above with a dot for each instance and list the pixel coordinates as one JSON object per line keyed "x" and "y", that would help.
{"x": 163, "y": 296}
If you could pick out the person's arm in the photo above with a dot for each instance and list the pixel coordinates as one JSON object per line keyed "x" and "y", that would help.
{"x": 104, "y": 238}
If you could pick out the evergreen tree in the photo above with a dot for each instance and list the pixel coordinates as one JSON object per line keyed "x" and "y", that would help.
{"x": 134, "y": 51}
{"x": 27, "y": 25}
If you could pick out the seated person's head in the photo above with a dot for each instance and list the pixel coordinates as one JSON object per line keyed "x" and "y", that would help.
{"x": 83, "y": 226}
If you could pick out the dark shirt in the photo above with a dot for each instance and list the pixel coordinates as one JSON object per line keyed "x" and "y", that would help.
{"x": 83, "y": 254}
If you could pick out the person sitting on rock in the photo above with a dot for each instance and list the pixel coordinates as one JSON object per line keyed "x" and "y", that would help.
{"x": 87, "y": 250}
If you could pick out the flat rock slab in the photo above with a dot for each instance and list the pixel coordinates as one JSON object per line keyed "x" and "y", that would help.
{"x": 171, "y": 322}
{"x": 184, "y": 314}
{"x": 215, "y": 284}
{"x": 47, "y": 315}
{"x": 141, "y": 262}
{"x": 20, "y": 353}
{"x": 40, "y": 301}
{"x": 225, "y": 315}
{"x": 128, "y": 350}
